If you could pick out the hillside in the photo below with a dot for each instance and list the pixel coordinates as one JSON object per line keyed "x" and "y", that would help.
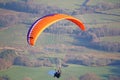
{"x": 98, "y": 47}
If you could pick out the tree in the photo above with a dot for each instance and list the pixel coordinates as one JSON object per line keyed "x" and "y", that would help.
{"x": 6, "y": 58}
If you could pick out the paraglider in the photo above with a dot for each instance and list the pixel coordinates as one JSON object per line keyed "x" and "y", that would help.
{"x": 41, "y": 24}
{"x": 57, "y": 73}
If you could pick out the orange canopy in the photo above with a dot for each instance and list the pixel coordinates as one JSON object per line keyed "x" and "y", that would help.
{"x": 41, "y": 24}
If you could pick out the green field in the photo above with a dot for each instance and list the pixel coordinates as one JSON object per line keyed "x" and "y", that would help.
{"x": 17, "y": 36}
{"x": 66, "y": 4}
{"x": 13, "y": 35}
{"x": 99, "y": 18}
{"x": 41, "y": 73}
{"x": 72, "y": 4}
{"x": 94, "y": 2}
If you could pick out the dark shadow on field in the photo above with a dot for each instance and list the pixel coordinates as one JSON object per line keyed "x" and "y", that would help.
{"x": 116, "y": 70}
{"x": 84, "y": 43}
{"x": 114, "y": 73}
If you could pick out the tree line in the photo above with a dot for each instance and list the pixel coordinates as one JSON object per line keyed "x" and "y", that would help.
{"x": 88, "y": 60}
{"x": 30, "y": 7}
{"x": 92, "y": 38}
{"x": 9, "y": 57}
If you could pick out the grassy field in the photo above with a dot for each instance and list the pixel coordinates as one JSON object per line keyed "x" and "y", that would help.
{"x": 42, "y": 73}
{"x": 72, "y": 4}
{"x": 13, "y": 35}
{"x": 113, "y": 11}
{"x": 94, "y": 2}
{"x": 66, "y": 4}
{"x": 99, "y": 18}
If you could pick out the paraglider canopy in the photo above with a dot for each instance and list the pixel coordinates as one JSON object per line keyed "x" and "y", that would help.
{"x": 41, "y": 24}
